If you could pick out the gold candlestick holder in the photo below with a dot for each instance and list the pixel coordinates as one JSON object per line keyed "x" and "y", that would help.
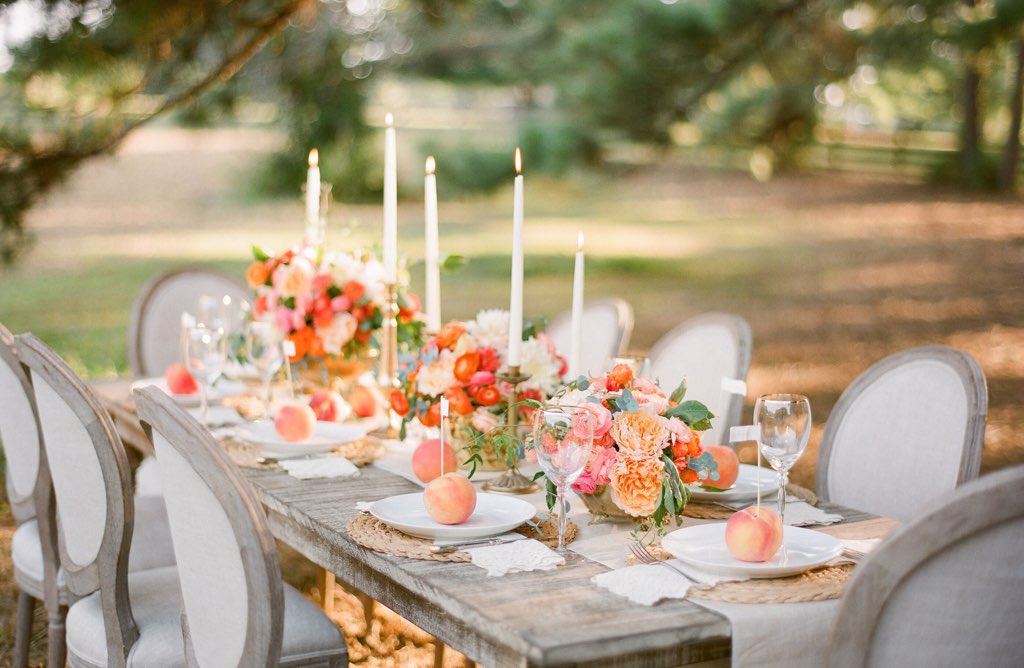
{"x": 387, "y": 372}
{"x": 512, "y": 481}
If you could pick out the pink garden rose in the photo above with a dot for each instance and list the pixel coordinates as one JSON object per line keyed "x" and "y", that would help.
{"x": 603, "y": 418}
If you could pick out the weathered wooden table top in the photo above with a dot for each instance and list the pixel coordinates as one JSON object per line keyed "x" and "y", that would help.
{"x": 537, "y": 618}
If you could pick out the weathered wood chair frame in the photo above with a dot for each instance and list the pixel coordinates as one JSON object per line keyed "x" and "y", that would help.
{"x": 900, "y": 567}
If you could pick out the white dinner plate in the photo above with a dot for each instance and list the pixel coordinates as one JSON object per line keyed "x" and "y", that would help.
{"x": 494, "y": 514}
{"x": 703, "y": 546}
{"x": 222, "y": 389}
{"x": 745, "y": 487}
{"x": 326, "y": 437}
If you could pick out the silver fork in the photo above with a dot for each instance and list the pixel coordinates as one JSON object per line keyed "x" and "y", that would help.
{"x": 644, "y": 556}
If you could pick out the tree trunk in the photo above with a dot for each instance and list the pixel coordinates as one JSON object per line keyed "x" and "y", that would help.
{"x": 969, "y": 166}
{"x": 1011, "y": 153}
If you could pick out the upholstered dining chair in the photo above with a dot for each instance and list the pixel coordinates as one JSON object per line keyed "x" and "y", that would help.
{"x": 607, "y": 326}
{"x": 106, "y": 538}
{"x": 155, "y": 325}
{"x": 906, "y": 432}
{"x": 237, "y": 611}
{"x": 705, "y": 350}
{"x": 28, "y": 490}
{"x": 946, "y": 589}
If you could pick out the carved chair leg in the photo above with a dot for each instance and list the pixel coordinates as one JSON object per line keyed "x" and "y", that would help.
{"x": 23, "y": 629}
{"x": 368, "y": 604}
{"x": 57, "y": 648}
{"x": 327, "y": 589}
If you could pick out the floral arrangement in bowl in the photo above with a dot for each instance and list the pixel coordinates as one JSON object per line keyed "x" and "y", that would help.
{"x": 646, "y": 447}
{"x": 328, "y": 304}
{"x": 463, "y": 363}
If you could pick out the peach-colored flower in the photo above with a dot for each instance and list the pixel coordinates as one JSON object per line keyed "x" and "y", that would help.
{"x": 636, "y": 485}
{"x": 649, "y": 396}
{"x": 639, "y": 433}
{"x": 256, "y": 275}
{"x": 293, "y": 278}
{"x": 342, "y": 329}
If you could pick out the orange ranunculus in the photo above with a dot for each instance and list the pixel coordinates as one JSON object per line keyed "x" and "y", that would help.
{"x": 636, "y": 485}
{"x": 302, "y": 339}
{"x": 354, "y": 290}
{"x": 459, "y": 400}
{"x": 399, "y": 403}
{"x": 412, "y": 306}
{"x": 316, "y": 346}
{"x": 488, "y": 395}
{"x": 257, "y": 274}
{"x": 621, "y": 374}
{"x": 466, "y": 365}
{"x": 432, "y": 416}
{"x": 686, "y": 475}
{"x": 639, "y": 433}
{"x": 694, "y": 445}
{"x": 450, "y": 335}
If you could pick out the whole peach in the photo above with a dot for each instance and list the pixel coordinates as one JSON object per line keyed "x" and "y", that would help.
{"x": 179, "y": 380}
{"x": 329, "y": 406}
{"x": 295, "y": 422}
{"x": 363, "y": 402}
{"x": 450, "y": 499}
{"x": 728, "y": 466}
{"x": 426, "y": 460}
{"x": 754, "y": 535}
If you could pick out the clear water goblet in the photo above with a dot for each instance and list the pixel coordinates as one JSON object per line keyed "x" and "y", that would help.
{"x": 562, "y": 439}
{"x": 264, "y": 352}
{"x": 785, "y": 426}
{"x": 205, "y": 354}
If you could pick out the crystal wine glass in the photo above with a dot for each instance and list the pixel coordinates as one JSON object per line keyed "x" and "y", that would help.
{"x": 785, "y": 422}
{"x": 263, "y": 350}
{"x": 205, "y": 353}
{"x": 562, "y": 439}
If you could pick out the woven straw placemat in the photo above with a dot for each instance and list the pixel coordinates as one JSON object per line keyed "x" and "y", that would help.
{"x": 712, "y": 511}
{"x": 821, "y": 584}
{"x": 373, "y": 534}
{"x": 363, "y": 452}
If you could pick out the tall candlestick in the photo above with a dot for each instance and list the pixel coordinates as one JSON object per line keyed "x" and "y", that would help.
{"x": 577, "y": 313}
{"x": 390, "y": 202}
{"x": 515, "y": 325}
{"x": 433, "y": 277}
{"x": 313, "y": 189}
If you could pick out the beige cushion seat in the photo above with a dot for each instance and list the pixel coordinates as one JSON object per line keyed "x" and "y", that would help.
{"x": 156, "y": 604}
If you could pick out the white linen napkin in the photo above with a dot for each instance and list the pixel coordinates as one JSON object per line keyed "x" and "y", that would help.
{"x": 514, "y": 557}
{"x": 330, "y": 466}
{"x": 647, "y": 584}
{"x": 364, "y": 506}
{"x": 803, "y": 514}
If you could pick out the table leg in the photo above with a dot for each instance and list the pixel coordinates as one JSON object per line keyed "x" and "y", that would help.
{"x": 327, "y": 591}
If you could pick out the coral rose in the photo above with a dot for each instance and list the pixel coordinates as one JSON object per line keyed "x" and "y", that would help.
{"x": 636, "y": 485}
{"x": 639, "y": 433}
{"x": 257, "y": 274}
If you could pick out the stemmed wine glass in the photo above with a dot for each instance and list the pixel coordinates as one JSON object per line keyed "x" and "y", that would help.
{"x": 785, "y": 422}
{"x": 263, "y": 350}
{"x": 562, "y": 439}
{"x": 205, "y": 354}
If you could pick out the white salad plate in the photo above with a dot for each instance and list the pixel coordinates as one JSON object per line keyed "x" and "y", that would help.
{"x": 326, "y": 437}
{"x": 704, "y": 547}
{"x": 222, "y": 389}
{"x": 745, "y": 487}
{"x": 494, "y": 514}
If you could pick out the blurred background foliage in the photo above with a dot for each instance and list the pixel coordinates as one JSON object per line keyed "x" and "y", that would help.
{"x": 770, "y": 79}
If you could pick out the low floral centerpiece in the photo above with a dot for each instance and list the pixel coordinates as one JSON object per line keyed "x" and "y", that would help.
{"x": 330, "y": 305}
{"x": 646, "y": 449}
{"x": 463, "y": 363}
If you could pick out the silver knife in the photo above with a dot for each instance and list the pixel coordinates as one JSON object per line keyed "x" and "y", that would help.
{"x": 482, "y": 542}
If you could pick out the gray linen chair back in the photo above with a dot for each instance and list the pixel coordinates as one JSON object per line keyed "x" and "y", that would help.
{"x": 92, "y": 486}
{"x": 905, "y": 432}
{"x": 230, "y": 578}
{"x": 154, "y": 330}
{"x": 704, "y": 350}
{"x": 19, "y": 434}
{"x": 607, "y": 326}
{"x": 947, "y": 589}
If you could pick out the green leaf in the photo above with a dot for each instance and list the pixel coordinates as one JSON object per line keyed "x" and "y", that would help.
{"x": 627, "y": 402}
{"x": 678, "y": 393}
{"x": 669, "y": 498}
{"x": 259, "y": 253}
{"x": 703, "y": 425}
{"x": 453, "y": 263}
{"x": 551, "y": 494}
{"x": 691, "y": 412}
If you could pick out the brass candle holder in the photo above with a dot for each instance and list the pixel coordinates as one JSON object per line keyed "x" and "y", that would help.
{"x": 512, "y": 481}
{"x": 387, "y": 372}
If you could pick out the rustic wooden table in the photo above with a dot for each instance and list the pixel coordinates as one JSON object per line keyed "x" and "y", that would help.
{"x": 537, "y": 618}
